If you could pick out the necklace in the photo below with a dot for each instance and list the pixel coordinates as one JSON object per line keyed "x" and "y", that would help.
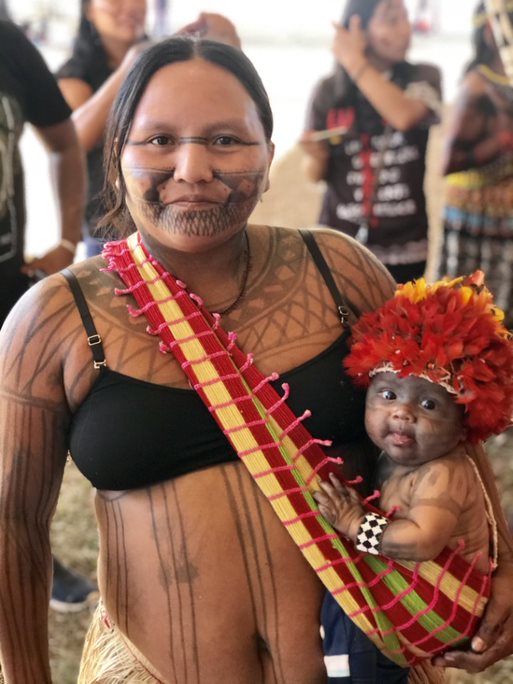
{"x": 244, "y": 281}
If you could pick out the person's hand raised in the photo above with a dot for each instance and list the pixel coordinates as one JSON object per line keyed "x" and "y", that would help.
{"x": 213, "y": 27}
{"x": 349, "y": 45}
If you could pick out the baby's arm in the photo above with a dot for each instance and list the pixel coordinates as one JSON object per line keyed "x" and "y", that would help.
{"x": 437, "y": 497}
{"x": 436, "y": 502}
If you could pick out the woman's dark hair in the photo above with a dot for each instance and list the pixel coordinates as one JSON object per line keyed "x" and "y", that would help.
{"x": 363, "y": 8}
{"x": 170, "y": 51}
{"x": 483, "y": 49}
{"x": 88, "y": 46}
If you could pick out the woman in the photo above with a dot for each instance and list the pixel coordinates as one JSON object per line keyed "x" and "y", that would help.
{"x": 478, "y": 162}
{"x": 111, "y": 35}
{"x": 199, "y": 579}
{"x": 379, "y": 108}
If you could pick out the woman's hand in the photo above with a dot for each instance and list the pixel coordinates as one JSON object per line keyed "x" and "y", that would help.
{"x": 341, "y": 506}
{"x": 317, "y": 154}
{"x": 53, "y": 261}
{"x": 494, "y": 638}
{"x": 317, "y": 149}
{"x": 349, "y": 45}
{"x": 213, "y": 27}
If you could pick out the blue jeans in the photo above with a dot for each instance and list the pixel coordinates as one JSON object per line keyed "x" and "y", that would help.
{"x": 349, "y": 655}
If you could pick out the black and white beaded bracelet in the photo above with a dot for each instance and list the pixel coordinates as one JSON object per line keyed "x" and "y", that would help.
{"x": 370, "y": 533}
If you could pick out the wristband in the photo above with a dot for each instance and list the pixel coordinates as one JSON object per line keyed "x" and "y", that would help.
{"x": 68, "y": 245}
{"x": 359, "y": 72}
{"x": 370, "y": 533}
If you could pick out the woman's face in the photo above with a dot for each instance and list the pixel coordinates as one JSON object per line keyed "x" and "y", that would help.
{"x": 196, "y": 160}
{"x": 389, "y": 31}
{"x": 122, "y": 20}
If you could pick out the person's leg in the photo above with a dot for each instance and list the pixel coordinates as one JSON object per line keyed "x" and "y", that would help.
{"x": 349, "y": 655}
{"x": 335, "y": 641}
{"x": 71, "y": 592}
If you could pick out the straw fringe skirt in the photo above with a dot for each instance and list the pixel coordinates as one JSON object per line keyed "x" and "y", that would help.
{"x": 108, "y": 659}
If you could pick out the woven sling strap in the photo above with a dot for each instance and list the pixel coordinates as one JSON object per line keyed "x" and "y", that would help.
{"x": 409, "y": 610}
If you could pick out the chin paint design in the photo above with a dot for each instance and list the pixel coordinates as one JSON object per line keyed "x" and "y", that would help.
{"x": 212, "y": 209}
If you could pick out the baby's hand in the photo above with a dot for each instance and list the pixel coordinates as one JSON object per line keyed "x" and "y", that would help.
{"x": 340, "y": 506}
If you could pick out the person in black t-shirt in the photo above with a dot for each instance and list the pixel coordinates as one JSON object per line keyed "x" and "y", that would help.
{"x": 28, "y": 92}
{"x": 374, "y": 162}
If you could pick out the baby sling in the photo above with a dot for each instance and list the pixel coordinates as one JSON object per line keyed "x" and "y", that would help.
{"x": 409, "y": 610}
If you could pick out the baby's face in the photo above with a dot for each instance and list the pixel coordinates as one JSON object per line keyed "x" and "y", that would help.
{"x": 413, "y": 420}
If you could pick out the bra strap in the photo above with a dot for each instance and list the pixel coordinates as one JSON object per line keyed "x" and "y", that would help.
{"x": 93, "y": 338}
{"x": 343, "y": 308}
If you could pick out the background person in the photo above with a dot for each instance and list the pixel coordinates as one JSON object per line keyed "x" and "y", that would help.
{"x": 30, "y": 94}
{"x": 383, "y": 107}
{"x": 478, "y": 162}
{"x": 111, "y": 35}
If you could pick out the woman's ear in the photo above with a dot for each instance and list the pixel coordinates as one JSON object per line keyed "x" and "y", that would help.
{"x": 271, "y": 149}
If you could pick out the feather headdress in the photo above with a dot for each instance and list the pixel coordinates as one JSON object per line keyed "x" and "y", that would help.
{"x": 450, "y": 333}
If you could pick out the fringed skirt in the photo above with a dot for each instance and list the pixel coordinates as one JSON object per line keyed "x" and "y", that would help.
{"x": 109, "y": 659}
{"x": 478, "y": 229}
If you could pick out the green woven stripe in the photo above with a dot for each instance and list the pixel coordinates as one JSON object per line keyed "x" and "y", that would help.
{"x": 413, "y": 603}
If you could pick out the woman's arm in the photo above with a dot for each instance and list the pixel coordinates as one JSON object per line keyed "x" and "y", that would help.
{"x": 399, "y": 109}
{"x": 69, "y": 179}
{"x": 363, "y": 280}
{"x": 34, "y": 418}
{"x": 91, "y": 109}
{"x": 474, "y": 137}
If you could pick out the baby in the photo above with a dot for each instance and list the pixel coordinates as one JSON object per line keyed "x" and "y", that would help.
{"x": 438, "y": 365}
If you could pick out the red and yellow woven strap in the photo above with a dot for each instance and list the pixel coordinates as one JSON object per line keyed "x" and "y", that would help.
{"x": 409, "y": 610}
